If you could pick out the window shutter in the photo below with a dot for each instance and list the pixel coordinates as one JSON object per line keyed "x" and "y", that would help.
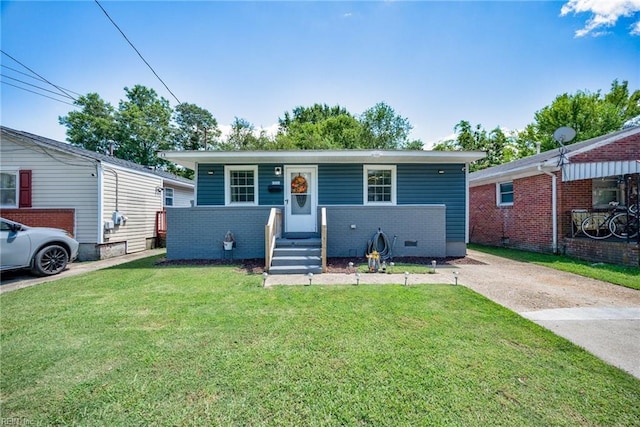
{"x": 25, "y": 189}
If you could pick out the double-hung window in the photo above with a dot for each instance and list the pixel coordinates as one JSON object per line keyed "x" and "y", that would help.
{"x": 168, "y": 196}
{"x": 241, "y": 186}
{"x": 9, "y": 189}
{"x": 504, "y": 193}
{"x": 379, "y": 184}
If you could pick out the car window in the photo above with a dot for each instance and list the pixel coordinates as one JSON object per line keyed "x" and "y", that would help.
{"x": 4, "y": 226}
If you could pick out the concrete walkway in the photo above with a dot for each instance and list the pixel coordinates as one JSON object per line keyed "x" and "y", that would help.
{"x": 602, "y": 318}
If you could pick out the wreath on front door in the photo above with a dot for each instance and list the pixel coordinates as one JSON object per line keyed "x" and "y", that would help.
{"x": 299, "y": 185}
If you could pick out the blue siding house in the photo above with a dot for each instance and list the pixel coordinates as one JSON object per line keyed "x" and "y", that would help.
{"x": 272, "y": 201}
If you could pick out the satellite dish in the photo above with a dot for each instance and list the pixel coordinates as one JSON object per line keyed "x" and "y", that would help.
{"x": 564, "y": 134}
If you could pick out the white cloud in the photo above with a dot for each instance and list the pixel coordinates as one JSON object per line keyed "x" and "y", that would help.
{"x": 347, "y": 15}
{"x": 605, "y": 13}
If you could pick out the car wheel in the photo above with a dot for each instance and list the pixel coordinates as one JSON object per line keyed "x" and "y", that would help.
{"x": 50, "y": 260}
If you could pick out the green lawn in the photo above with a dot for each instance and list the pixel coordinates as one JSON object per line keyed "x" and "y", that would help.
{"x": 144, "y": 345}
{"x": 616, "y": 274}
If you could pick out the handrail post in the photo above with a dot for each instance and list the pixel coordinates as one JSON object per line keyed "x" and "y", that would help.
{"x": 324, "y": 238}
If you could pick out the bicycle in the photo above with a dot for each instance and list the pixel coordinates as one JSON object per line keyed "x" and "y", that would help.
{"x": 624, "y": 224}
{"x": 601, "y": 225}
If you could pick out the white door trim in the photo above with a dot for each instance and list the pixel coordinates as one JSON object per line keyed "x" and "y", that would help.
{"x": 294, "y": 224}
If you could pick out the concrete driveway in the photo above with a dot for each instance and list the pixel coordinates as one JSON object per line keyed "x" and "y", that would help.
{"x": 11, "y": 281}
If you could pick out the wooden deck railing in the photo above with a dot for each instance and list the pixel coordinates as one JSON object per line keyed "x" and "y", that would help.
{"x": 161, "y": 224}
{"x": 323, "y": 241}
{"x": 272, "y": 230}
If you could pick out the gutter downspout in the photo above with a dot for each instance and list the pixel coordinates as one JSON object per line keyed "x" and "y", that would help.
{"x": 554, "y": 207}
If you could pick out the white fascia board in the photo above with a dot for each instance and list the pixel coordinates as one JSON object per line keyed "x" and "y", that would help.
{"x": 190, "y": 159}
{"x": 524, "y": 172}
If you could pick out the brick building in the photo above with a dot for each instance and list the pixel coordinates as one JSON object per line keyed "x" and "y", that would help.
{"x": 536, "y": 203}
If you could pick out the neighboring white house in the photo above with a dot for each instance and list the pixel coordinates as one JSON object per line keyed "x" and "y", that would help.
{"x": 108, "y": 204}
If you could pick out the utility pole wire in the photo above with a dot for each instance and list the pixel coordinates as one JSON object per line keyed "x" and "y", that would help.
{"x": 36, "y": 78}
{"x": 46, "y": 96}
{"x": 56, "y": 86}
{"x": 32, "y": 85}
{"x": 139, "y": 54}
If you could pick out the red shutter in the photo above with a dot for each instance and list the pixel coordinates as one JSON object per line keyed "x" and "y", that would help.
{"x": 25, "y": 189}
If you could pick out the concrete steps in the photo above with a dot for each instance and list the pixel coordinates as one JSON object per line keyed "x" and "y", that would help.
{"x": 297, "y": 256}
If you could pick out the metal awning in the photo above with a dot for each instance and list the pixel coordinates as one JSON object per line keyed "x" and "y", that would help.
{"x": 576, "y": 171}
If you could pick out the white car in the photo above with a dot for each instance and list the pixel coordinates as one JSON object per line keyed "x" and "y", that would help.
{"x": 46, "y": 251}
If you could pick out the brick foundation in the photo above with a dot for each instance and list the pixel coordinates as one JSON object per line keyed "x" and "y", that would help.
{"x": 55, "y": 218}
{"x": 607, "y": 251}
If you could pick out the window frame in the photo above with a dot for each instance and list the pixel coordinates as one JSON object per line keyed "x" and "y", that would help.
{"x": 598, "y": 190}
{"x": 16, "y": 192}
{"x": 393, "y": 186}
{"x": 166, "y": 196}
{"x": 500, "y": 194}
{"x": 227, "y": 184}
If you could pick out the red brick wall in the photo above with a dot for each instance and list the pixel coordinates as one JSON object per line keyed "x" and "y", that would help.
{"x": 572, "y": 195}
{"x": 56, "y": 218}
{"x": 528, "y": 224}
{"x": 624, "y": 149}
{"x": 525, "y": 225}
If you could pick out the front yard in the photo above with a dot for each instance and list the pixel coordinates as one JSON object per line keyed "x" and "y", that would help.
{"x": 140, "y": 344}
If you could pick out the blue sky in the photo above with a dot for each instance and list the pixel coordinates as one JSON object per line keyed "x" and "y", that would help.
{"x": 493, "y": 63}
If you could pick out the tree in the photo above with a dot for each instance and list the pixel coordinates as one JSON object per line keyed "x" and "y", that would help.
{"x": 196, "y": 128}
{"x": 314, "y": 114}
{"x": 143, "y": 126}
{"x": 499, "y": 147}
{"x": 383, "y": 129}
{"x": 243, "y": 137}
{"x": 589, "y": 114}
{"x": 94, "y": 126}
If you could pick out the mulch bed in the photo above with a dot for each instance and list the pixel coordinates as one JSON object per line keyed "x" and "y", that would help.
{"x": 334, "y": 265}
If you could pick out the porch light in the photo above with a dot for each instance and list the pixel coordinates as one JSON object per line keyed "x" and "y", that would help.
{"x": 406, "y": 277}
{"x": 433, "y": 266}
{"x": 455, "y": 276}
{"x": 310, "y": 276}
{"x": 277, "y": 171}
{"x": 210, "y": 172}
{"x": 264, "y": 278}
{"x": 357, "y": 278}
{"x": 440, "y": 171}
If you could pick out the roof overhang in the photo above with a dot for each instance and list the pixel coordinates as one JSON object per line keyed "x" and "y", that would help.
{"x": 190, "y": 159}
{"x": 519, "y": 173}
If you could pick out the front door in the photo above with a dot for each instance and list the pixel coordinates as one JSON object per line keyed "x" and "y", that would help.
{"x": 301, "y": 199}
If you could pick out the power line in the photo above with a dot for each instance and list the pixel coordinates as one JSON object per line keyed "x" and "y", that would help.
{"x": 29, "y": 84}
{"x": 36, "y": 78}
{"x": 45, "y": 80}
{"x": 139, "y": 54}
{"x": 46, "y": 96}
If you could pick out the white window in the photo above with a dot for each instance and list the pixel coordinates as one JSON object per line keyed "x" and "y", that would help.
{"x": 605, "y": 190}
{"x": 379, "y": 185}
{"x": 168, "y": 196}
{"x": 504, "y": 193}
{"x": 9, "y": 189}
{"x": 241, "y": 185}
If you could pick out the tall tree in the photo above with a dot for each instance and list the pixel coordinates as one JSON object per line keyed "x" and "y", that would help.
{"x": 383, "y": 128}
{"x": 314, "y": 114}
{"x": 589, "y": 114}
{"x": 143, "y": 126}
{"x": 498, "y": 146}
{"x": 243, "y": 137}
{"x": 94, "y": 126}
{"x": 196, "y": 128}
